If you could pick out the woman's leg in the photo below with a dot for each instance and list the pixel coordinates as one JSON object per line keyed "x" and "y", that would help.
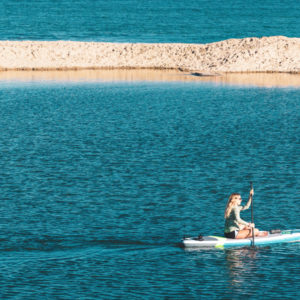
{"x": 263, "y": 233}
{"x": 247, "y": 233}
{"x": 243, "y": 234}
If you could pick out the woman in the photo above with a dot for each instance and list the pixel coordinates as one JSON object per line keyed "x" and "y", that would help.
{"x": 235, "y": 227}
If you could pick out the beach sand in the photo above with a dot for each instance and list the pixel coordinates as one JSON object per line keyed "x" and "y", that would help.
{"x": 267, "y": 61}
{"x": 267, "y": 54}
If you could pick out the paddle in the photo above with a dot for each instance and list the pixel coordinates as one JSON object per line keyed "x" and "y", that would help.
{"x": 252, "y": 218}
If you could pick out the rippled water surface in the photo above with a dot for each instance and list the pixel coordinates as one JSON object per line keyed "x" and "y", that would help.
{"x": 100, "y": 181}
{"x": 192, "y": 21}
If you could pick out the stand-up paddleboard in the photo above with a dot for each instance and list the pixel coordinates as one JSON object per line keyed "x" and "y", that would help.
{"x": 284, "y": 236}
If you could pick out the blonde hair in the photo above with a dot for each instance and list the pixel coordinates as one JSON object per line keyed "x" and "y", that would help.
{"x": 230, "y": 204}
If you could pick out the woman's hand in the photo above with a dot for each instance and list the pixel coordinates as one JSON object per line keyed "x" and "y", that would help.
{"x": 252, "y": 192}
{"x": 251, "y": 225}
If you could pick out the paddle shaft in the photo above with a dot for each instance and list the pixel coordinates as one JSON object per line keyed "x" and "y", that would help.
{"x": 252, "y": 217}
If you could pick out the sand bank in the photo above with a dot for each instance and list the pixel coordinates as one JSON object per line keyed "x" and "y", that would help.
{"x": 243, "y": 79}
{"x": 267, "y": 54}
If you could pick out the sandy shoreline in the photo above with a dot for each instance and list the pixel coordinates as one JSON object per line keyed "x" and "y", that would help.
{"x": 267, "y": 54}
{"x": 117, "y": 75}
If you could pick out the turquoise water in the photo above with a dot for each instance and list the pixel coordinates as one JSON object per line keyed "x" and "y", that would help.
{"x": 100, "y": 181}
{"x": 193, "y": 21}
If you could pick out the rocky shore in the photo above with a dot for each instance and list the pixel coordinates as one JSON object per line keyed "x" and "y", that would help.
{"x": 267, "y": 54}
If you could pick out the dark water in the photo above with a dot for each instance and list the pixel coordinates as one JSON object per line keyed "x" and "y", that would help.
{"x": 100, "y": 181}
{"x": 193, "y": 21}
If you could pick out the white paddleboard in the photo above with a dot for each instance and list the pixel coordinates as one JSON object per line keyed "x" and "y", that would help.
{"x": 284, "y": 236}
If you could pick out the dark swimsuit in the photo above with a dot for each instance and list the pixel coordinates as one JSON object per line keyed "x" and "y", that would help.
{"x": 231, "y": 234}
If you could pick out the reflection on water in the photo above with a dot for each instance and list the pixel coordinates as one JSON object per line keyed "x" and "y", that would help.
{"x": 239, "y": 262}
{"x": 110, "y": 75}
{"x": 259, "y": 79}
{"x": 97, "y": 75}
